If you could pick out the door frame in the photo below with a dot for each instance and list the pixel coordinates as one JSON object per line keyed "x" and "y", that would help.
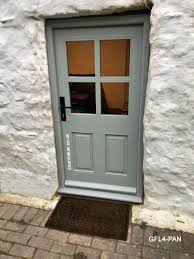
{"x": 89, "y": 22}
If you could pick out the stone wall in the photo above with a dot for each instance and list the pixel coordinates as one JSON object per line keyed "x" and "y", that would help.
{"x": 28, "y": 162}
{"x": 169, "y": 114}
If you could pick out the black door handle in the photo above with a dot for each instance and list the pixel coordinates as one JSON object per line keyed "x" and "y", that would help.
{"x": 63, "y": 108}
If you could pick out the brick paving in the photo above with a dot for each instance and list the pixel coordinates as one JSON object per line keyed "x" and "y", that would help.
{"x": 23, "y": 235}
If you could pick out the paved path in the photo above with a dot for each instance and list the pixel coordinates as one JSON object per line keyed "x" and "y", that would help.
{"x": 23, "y": 235}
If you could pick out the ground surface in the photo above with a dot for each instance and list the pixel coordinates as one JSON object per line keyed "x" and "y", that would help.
{"x": 23, "y": 235}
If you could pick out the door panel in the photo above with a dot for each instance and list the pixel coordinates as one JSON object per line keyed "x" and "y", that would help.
{"x": 116, "y": 154}
{"x": 83, "y": 151}
{"x": 99, "y": 74}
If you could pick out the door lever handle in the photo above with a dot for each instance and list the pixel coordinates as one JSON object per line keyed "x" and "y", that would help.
{"x": 63, "y": 108}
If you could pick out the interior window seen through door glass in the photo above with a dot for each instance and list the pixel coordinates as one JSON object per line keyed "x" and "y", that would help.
{"x": 114, "y": 57}
{"x": 114, "y": 98}
{"x": 80, "y": 58}
{"x": 83, "y": 98}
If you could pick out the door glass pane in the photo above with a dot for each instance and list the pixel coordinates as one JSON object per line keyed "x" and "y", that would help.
{"x": 114, "y": 98}
{"x": 114, "y": 57}
{"x": 80, "y": 58}
{"x": 83, "y": 98}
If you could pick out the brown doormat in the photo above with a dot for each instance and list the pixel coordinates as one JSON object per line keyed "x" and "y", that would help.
{"x": 90, "y": 216}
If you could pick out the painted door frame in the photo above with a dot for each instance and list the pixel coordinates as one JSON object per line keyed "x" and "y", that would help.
{"x": 89, "y": 22}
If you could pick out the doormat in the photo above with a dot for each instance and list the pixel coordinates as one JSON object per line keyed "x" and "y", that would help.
{"x": 90, "y": 216}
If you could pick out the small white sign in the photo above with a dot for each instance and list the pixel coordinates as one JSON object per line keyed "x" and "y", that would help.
{"x": 164, "y": 239}
{"x": 68, "y": 149}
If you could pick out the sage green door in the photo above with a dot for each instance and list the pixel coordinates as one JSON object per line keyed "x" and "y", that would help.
{"x": 99, "y": 72}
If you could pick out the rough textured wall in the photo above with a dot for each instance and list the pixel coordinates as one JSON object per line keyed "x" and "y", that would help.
{"x": 27, "y": 160}
{"x": 169, "y": 113}
{"x": 26, "y": 130}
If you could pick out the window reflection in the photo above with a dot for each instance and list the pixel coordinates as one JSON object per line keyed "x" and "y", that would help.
{"x": 83, "y": 99}
{"x": 114, "y": 57}
{"x": 80, "y": 58}
{"x": 114, "y": 98}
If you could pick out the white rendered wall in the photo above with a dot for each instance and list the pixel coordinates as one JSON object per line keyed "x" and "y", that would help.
{"x": 27, "y": 152}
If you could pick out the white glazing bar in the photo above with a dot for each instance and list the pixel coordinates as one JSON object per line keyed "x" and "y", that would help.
{"x": 121, "y": 79}
{"x": 80, "y": 79}
{"x": 97, "y": 72}
{"x": 66, "y": 87}
{"x": 117, "y": 79}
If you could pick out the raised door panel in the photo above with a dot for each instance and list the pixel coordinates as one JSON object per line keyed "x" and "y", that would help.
{"x": 83, "y": 151}
{"x": 116, "y": 154}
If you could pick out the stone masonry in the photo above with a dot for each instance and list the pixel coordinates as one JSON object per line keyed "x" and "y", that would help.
{"x": 28, "y": 160}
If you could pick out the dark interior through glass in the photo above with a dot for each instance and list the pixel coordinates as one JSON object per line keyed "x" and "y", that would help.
{"x": 83, "y": 98}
